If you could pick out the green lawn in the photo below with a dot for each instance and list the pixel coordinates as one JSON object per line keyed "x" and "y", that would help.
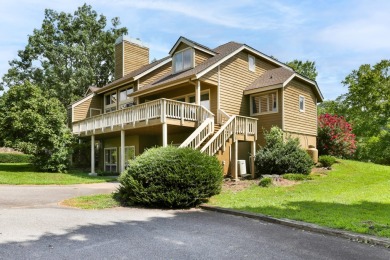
{"x": 23, "y": 173}
{"x": 353, "y": 196}
{"x": 99, "y": 201}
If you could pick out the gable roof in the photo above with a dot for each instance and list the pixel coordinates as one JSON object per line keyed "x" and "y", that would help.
{"x": 91, "y": 89}
{"x": 223, "y": 51}
{"x": 136, "y": 74}
{"x": 278, "y": 78}
{"x": 192, "y": 44}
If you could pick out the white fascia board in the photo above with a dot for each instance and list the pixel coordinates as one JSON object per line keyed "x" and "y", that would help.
{"x": 182, "y": 40}
{"x": 203, "y": 72}
{"x": 82, "y": 100}
{"x": 152, "y": 69}
{"x": 311, "y": 82}
{"x": 258, "y": 90}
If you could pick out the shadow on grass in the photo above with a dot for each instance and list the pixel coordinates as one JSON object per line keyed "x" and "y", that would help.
{"x": 364, "y": 217}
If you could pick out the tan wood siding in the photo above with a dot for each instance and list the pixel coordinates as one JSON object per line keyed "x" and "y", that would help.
{"x": 200, "y": 57}
{"x": 118, "y": 61}
{"x": 265, "y": 122}
{"x": 135, "y": 57}
{"x": 294, "y": 120}
{"x": 81, "y": 111}
{"x": 181, "y": 46}
{"x": 211, "y": 75}
{"x": 234, "y": 78}
{"x": 154, "y": 75}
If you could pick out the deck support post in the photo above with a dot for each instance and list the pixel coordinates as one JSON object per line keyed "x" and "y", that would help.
{"x": 92, "y": 173}
{"x": 164, "y": 134}
{"x": 197, "y": 93}
{"x": 253, "y": 153}
{"x": 122, "y": 157}
{"x": 233, "y": 162}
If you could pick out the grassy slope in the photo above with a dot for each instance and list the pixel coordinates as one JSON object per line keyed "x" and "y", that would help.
{"x": 354, "y": 196}
{"x": 23, "y": 173}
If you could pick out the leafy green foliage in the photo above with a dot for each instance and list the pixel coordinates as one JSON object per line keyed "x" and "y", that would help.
{"x": 67, "y": 54}
{"x": 376, "y": 148}
{"x": 35, "y": 124}
{"x": 265, "y": 182}
{"x": 14, "y": 158}
{"x": 335, "y": 136}
{"x": 307, "y": 68}
{"x": 296, "y": 177}
{"x": 170, "y": 177}
{"x": 279, "y": 157}
{"x": 327, "y": 160}
{"x": 368, "y": 98}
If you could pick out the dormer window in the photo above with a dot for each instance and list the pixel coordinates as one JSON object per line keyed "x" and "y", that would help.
{"x": 183, "y": 60}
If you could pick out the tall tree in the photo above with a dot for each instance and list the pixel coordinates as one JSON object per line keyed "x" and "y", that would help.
{"x": 368, "y": 98}
{"x": 307, "y": 68}
{"x": 35, "y": 123}
{"x": 67, "y": 54}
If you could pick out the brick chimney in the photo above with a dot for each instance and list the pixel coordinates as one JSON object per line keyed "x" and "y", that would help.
{"x": 130, "y": 54}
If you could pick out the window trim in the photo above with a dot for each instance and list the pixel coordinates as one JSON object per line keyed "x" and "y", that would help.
{"x": 104, "y": 156}
{"x": 127, "y": 100}
{"x": 129, "y": 146}
{"x": 187, "y": 96}
{"x": 111, "y": 105}
{"x": 253, "y": 69}
{"x": 262, "y": 94}
{"x": 304, "y": 103}
{"x": 182, "y": 51}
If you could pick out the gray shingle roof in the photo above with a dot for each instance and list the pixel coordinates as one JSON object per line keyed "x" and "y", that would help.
{"x": 223, "y": 51}
{"x": 270, "y": 78}
{"x": 134, "y": 73}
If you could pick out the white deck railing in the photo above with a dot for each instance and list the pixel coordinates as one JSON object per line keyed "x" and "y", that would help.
{"x": 235, "y": 125}
{"x": 162, "y": 109}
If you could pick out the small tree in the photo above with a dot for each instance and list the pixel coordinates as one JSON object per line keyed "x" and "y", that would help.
{"x": 35, "y": 124}
{"x": 279, "y": 157}
{"x": 335, "y": 136}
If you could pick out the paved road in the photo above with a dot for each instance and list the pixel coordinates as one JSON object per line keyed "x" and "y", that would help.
{"x": 47, "y": 231}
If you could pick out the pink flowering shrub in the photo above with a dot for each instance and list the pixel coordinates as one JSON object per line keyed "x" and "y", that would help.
{"x": 335, "y": 136}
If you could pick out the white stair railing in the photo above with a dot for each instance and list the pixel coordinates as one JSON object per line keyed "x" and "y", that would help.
{"x": 200, "y": 134}
{"x": 235, "y": 125}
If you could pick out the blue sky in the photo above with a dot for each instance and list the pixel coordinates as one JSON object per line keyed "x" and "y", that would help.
{"x": 338, "y": 35}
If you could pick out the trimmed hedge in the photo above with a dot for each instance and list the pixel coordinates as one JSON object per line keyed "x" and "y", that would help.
{"x": 327, "y": 160}
{"x": 14, "y": 158}
{"x": 170, "y": 177}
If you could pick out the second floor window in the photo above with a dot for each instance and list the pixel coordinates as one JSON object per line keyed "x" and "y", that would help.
{"x": 110, "y": 100}
{"x": 265, "y": 103}
{"x": 183, "y": 60}
{"x": 124, "y": 99}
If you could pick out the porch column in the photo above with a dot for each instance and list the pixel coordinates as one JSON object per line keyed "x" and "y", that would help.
{"x": 233, "y": 162}
{"x": 92, "y": 173}
{"x": 122, "y": 157}
{"x": 253, "y": 153}
{"x": 197, "y": 93}
{"x": 164, "y": 134}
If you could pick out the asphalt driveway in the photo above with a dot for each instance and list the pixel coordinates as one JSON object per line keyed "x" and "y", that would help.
{"x": 41, "y": 229}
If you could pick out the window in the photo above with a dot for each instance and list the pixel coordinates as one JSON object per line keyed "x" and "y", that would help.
{"x": 124, "y": 99}
{"x": 265, "y": 103}
{"x": 301, "y": 103}
{"x": 129, "y": 154}
{"x": 110, "y": 102}
{"x": 110, "y": 159}
{"x": 183, "y": 60}
{"x": 252, "y": 63}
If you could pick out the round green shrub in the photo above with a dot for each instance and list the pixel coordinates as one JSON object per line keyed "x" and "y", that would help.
{"x": 170, "y": 177}
{"x": 327, "y": 160}
{"x": 265, "y": 182}
{"x": 280, "y": 157}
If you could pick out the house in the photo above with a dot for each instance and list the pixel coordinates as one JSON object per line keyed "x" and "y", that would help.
{"x": 217, "y": 100}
